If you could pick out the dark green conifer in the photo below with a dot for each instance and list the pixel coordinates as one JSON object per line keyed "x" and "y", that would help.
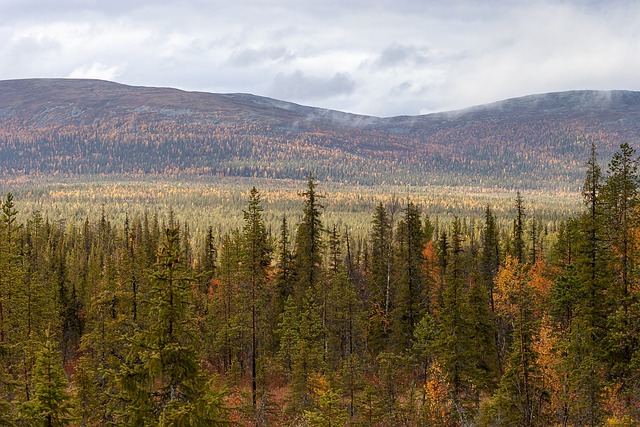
{"x": 256, "y": 262}
{"x": 162, "y": 382}
{"x": 518, "y": 230}
{"x": 51, "y": 404}
{"x": 309, "y": 245}
{"x": 620, "y": 197}
{"x": 411, "y": 295}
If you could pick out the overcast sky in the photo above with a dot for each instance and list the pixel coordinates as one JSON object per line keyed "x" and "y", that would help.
{"x": 374, "y": 57}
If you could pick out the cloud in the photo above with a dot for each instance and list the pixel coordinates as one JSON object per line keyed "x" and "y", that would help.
{"x": 400, "y": 55}
{"x": 248, "y": 56}
{"x": 549, "y": 46}
{"x": 301, "y": 87}
{"x": 96, "y": 70}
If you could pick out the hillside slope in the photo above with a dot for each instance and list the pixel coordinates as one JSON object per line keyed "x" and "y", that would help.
{"x": 66, "y": 126}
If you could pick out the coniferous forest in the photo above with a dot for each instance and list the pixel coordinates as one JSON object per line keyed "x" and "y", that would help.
{"x": 417, "y": 324}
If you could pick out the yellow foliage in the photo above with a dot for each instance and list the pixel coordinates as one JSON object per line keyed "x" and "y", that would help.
{"x": 506, "y": 283}
{"x": 625, "y": 421}
{"x": 318, "y": 384}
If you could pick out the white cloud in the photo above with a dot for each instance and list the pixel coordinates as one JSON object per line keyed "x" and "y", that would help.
{"x": 96, "y": 70}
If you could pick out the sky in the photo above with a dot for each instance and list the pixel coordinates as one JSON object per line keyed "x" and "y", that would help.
{"x": 374, "y": 57}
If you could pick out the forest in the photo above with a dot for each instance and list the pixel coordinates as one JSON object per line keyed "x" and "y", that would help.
{"x": 418, "y": 322}
{"x": 497, "y": 155}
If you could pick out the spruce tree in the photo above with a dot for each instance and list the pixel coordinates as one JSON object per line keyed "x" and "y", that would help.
{"x": 51, "y": 404}
{"x": 490, "y": 253}
{"x": 256, "y": 262}
{"x": 489, "y": 266}
{"x": 284, "y": 266}
{"x": 162, "y": 382}
{"x": 378, "y": 294}
{"x": 380, "y": 259}
{"x": 620, "y": 195}
{"x": 308, "y": 244}
{"x": 224, "y": 317}
{"x": 579, "y": 293}
{"x": 443, "y": 264}
{"x": 518, "y": 230}
{"x": 411, "y": 296}
{"x": 303, "y": 328}
{"x": 466, "y": 342}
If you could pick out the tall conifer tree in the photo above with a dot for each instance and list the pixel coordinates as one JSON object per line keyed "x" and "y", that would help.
{"x": 411, "y": 297}
{"x": 256, "y": 261}
{"x": 162, "y": 382}
{"x": 51, "y": 404}
{"x": 620, "y": 195}
{"x": 309, "y": 245}
{"x": 518, "y": 230}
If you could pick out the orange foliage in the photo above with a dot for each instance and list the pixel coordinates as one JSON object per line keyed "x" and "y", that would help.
{"x": 214, "y": 284}
{"x": 438, "y": 405}
{"x": 550, "y": 364}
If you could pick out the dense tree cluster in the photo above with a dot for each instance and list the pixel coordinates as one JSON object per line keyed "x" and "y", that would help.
{"x": 497, "y": 154}
{"x": 420, "y": 323}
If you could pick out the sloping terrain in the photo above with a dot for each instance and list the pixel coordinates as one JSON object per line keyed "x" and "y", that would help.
{"x": 66, "y": 126}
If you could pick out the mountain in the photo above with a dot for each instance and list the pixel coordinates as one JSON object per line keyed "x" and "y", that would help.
{"x": 67, "y": 126}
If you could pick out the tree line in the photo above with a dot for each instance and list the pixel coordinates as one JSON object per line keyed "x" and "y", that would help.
{"x": 143, "y": 323}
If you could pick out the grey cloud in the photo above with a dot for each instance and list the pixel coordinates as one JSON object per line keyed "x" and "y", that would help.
{"x": 248, "y": 57}
{"x": 397, "y": 54}
{"x": 301, "y": 87}
{"x": 58, "y": 8}
{"x": 408, "y": 88}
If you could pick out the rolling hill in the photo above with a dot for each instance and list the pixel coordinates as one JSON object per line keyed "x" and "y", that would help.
{"x": 91, "y": 127}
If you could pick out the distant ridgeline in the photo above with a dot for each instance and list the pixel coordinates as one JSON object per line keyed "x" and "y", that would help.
{"x": 65, "y": 126}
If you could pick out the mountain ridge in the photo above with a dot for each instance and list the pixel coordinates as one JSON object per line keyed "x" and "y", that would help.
{"x": 78, "y": 126}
